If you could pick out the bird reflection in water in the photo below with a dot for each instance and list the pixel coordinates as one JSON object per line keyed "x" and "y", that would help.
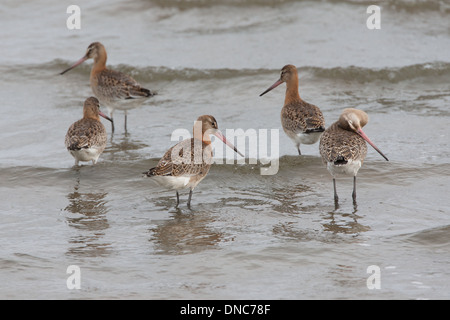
{"x": 185, "y": 233}
{"x": 341, "y": 222}
{"x": 124, "y": 149}
{"x": 334, "y": 223}
{"x": 86, "y": 213}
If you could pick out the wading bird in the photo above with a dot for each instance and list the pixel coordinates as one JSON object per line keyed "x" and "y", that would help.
{"x": 86, "y": 138}
{"x": 343, "y": 146}
{"x": 188, "y": 162}
{"x": 302, "y": 122}
{"x": 114, "y": 89}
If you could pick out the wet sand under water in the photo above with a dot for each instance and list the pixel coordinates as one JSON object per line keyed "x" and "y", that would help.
{"x": 277, "y": 237}
{"x": 246, "y": 236}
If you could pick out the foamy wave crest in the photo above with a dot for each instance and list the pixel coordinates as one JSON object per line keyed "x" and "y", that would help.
{"x": 429, "y": 70}
{"x": 412, "y": 6}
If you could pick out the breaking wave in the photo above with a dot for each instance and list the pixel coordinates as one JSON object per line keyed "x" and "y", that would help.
{"x": 352, "y": 73}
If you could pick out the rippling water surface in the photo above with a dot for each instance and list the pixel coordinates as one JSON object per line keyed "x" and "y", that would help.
{"x": 247, "y": 235}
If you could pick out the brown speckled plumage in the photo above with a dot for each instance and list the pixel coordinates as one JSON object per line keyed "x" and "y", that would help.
{"x": 86, "y": 133}
{"x": 299, "y": 116}
{"x": 86, "y": 138}
{"x": 190, "y": 157}
{"x": 303, "y": 122}
{"x": 111, "y": 86}
{"x": 338, "y": 145}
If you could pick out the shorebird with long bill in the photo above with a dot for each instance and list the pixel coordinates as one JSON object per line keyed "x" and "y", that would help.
{"x": 343, "y": 146}
{"x": 114, "y": 89}
{"x": 86, "y": 138}
{"x": 188, "y": 162}
{"x": 302, "y": 122}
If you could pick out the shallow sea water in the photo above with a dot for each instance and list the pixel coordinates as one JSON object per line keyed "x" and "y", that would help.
{"x": 247, "y": 235}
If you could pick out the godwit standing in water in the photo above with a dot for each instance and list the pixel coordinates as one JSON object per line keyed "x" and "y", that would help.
{"x": 303, "y": 122}
{"x": 114, "y": 89}
{"x": 187, "y": 163}
{"x": 343, "y": 146}
{"x": 86, "y": 138}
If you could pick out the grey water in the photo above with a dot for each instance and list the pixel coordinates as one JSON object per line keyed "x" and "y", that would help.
{"x": 246, "y": 235}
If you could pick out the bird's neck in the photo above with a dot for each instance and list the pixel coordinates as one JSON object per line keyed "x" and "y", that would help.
{"x": 99, "y": 63}
{"x": 205, "y": 138}
{"x": 292, "y": 93}
{"x": 199, "y": 133}
{"x": 90, "y": 115}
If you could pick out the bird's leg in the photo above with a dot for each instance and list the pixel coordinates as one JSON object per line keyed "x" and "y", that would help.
{"x": 336, "y": 198}
{"x": 112, "y": 122}
{"x": 189, "y": 199}
{"x": 298, "y": 149}
{"x": 125, "y": 121}
{"x": 354, "y": 189}
{"x": 178, "y": 199}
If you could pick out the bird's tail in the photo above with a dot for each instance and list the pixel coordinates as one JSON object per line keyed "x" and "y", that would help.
{"x": 319, "y": 129}
{"x": 150, "y": 173}
{"x": 148, "y": 93}
{"x": 313, "y": 125}
{"x": 340, "y": 160}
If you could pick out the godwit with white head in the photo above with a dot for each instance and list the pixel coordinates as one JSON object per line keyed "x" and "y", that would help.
{"x": 303, "y": 122}
{"x": 86, "y": 138}
{"x": 343, "y": 146}
{"x": 114, "y": 89}
{"x": 188, "y": 162}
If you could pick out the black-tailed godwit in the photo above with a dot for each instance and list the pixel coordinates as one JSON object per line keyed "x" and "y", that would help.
{"x": 188, "y": 162}
{"x": 86, "y": 138}
{"x": 114, "y": 89}
{"x": 343, "y": 146}
{"x": 302, "y": 122}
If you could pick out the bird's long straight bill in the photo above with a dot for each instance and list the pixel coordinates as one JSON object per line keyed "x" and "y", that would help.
{"x": 105, "y": 116}
{"x": 75, "y": 64}
{"x": 363, "y": 135}
{"x": 219, "y": 135}
{"x": 276, "y": 84}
